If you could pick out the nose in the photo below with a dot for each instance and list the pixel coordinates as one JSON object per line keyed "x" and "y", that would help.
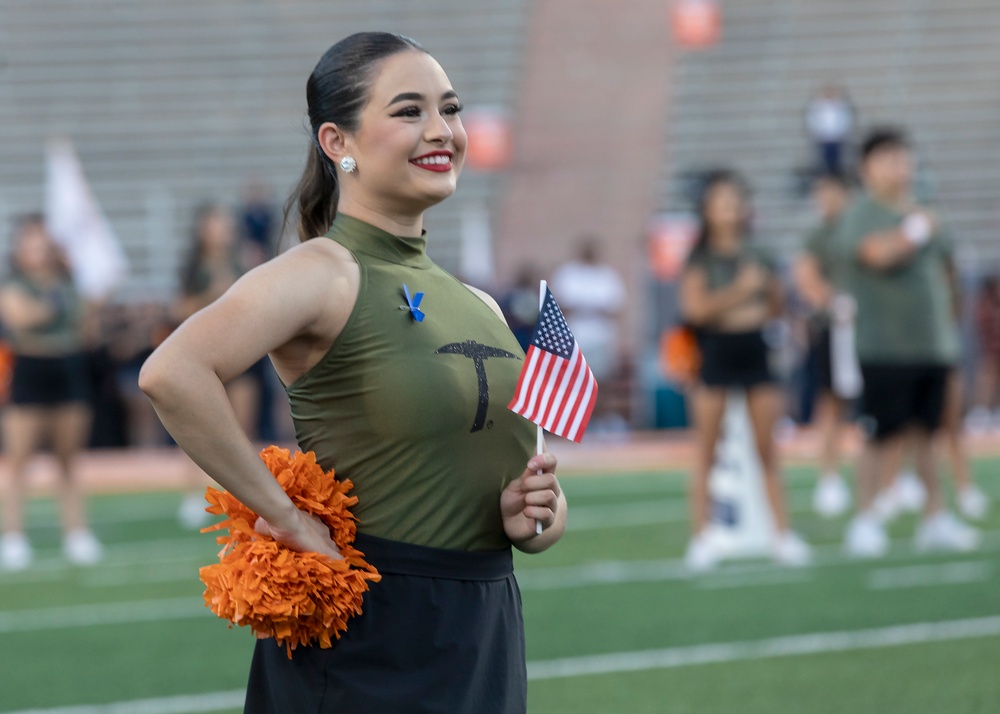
{"x": 438, "y": 129}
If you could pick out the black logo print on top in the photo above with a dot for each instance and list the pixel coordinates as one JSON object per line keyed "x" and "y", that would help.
{"x": 478, "y": 353}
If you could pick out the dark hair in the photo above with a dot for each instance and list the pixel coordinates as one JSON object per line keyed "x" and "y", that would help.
{"x": 710, "y": 180}
{"x": 22, "y": 223}
{"x": 884, "y": 137}
{"x": 336, "y": 92}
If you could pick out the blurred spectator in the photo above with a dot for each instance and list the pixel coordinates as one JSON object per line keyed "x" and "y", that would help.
{"x": 829, "y": 120}
{"x": 894, "y": 258}
{"x": 258, "y": 224}
{"x": 728, "y": 292}
{"x": 987, "y": 319}
{"x": 812, "y": 274}
{"x": 520, "y": 304}
{"x": 591, "y": 294}
{"x": 213, "y": 264}
{"x": 44, "y": 320}
{"x": 133, "y": 332}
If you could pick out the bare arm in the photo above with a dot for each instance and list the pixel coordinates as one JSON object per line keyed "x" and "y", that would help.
{"x": 287, "y": 306}
{"x": 699, "y": 305}
{"x": 810, "y": 283}
{"x": 885, "y": 250}
{"x": 21, "y": 311}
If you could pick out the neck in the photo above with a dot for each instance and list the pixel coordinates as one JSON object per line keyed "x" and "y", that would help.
{"x": 893, "y": 198}
{"x": 724, "y": 239}
{"x": 398, "y": 223}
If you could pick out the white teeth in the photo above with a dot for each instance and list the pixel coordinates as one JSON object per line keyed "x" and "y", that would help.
{"x": 440, "y": 160}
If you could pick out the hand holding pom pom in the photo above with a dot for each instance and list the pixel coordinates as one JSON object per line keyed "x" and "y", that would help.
{"x": 299, "y": 597}
{"x": 312, "y": 536}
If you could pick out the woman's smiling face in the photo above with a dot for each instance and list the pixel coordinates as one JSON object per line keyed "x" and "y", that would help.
{"x": 410, "y": 142}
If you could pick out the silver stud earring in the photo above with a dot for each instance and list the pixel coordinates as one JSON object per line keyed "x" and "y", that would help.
{"x": 348, "y": 164}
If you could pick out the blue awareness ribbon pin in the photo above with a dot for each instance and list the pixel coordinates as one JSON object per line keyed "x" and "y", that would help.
{"x": 414, "y": 303}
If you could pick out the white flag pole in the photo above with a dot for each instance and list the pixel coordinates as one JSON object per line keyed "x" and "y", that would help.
{"x": 540, "y": 436}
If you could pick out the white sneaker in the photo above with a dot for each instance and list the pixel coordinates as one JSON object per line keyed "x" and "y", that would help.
{"x": 886, "y": 506}
{"x": 81, "y": 547}
{"x": 866, "y": 538}
{"x": 702, "y": 553}
{"x": 831, "y": 497}
{"x": 15, "y": 552}
{"x": 978, "y": 420}
{"x": 910, "y": 492}
{"x": 943, "y": 531}
{"x": 192, "y": 514}
{"x": 973, "y": 503}
{"x": 791, "y": 550}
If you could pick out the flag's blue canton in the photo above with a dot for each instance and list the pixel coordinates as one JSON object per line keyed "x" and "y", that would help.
{"x": 551, "y": 331}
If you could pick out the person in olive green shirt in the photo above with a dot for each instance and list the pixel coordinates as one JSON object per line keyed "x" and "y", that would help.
{"x": 812, "y": 275}
{"x": 729, "y": 290}
{"x": 397, "y": 376}
{"x": 894, "y": 258}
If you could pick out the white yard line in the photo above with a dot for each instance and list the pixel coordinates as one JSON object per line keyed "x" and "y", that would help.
{"x": 185, "y": 704}
{"x": 814, "y": 643}
{"x": 112, "y": 613}
{"x": 615, "y": 662}
{"x": 915, "y": 576}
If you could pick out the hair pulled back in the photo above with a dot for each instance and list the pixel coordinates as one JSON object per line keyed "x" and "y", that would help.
{"x": 709, "y": 181}
{"x": 336, "y": 92}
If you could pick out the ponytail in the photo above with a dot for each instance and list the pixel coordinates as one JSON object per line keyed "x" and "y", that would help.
{"x": 315, "y": 196}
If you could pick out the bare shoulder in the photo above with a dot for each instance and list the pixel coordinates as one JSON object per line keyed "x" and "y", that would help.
{"x": 488, "y": 299}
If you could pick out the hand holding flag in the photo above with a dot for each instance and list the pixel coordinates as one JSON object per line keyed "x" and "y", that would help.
{"x": 556, "y": 389}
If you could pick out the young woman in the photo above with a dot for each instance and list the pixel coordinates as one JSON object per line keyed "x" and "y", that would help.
{"x": 43, "y": 316}
{"x": 213, "y": 264}
{"x": 728, "y": 292}
{"x": 391, "y": 402}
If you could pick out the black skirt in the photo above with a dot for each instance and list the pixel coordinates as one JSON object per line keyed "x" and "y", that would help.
{"x": 734, "y": 359}
{"x": 49, "y": 381}
{"x": 441, "y": 633}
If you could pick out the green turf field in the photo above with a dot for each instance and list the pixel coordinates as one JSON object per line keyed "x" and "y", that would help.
{"x": 613, "y": 623}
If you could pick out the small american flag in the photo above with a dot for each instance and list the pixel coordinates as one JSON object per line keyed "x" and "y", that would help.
{"x": 556, "y": 389}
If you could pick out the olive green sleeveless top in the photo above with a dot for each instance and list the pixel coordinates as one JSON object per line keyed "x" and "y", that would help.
{"x": 411, "y": 404}
{"x": 61, "y": 334}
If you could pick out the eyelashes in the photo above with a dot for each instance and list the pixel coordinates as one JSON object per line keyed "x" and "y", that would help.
{"x": 414, "y": 112}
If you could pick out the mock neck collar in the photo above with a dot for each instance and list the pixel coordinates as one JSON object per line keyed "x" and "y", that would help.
{"x": 360, "y": 237}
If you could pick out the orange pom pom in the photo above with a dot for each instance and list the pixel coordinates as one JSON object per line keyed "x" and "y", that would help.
{"x": 296, "y": 598}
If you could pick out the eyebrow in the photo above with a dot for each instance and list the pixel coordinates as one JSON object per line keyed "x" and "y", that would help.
{"x": 417, "y": 97}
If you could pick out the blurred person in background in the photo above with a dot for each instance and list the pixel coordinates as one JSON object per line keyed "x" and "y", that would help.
{"x": 812, "y": 277}
{"x": 44, "y": 320}
{"x": 728, "y": 292}
{"x": 829, "y": 120}
{"x": 591, "y": 294}
{"x": 215, "y": 261}
{"x": 258, "y": 232}
{"x": 520, "y": 304}
{"x": 894, "y": 258}
{"x": 984, "y": 413}
{"x": 134, "y": 331}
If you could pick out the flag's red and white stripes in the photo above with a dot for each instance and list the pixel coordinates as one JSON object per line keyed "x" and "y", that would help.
{"x": 556, "y": 393}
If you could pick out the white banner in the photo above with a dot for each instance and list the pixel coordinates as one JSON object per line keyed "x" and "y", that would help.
{"x": 76, "y": 221}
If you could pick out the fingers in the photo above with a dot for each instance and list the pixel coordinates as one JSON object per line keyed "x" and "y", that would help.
{"x": 541, "y": 462}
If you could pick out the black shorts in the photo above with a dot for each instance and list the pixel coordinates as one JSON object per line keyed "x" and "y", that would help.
{"x": 49, "y": 381}
{"x": 819, "y": 359}
{"x": 896, "y": 396}
{"x": 441, "y": 633}
{"x": 733, "y": 359}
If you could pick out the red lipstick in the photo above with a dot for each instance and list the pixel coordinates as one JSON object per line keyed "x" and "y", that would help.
{"x": 437, "y": 161}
